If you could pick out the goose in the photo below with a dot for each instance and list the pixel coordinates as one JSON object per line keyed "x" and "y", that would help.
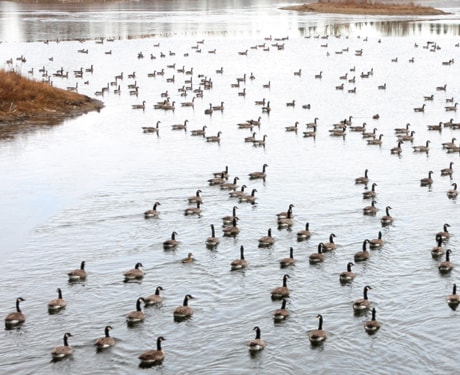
{"x": 386, "y": 219}
{"x": 267, "y": 108}
{"x": 188, "y": 259}
{"x": 404, "y": 130}
{"x": 371, "y": 134}
{"x": 370, "y": 210}
{"x": 63, "y": 351}
{"x": 268, "y": 240}
{"x": 317, "y": 257}
{"x": 250, "y": 139}
{"x": 180, "y": 126}
{"x": 281, "y": 313}
{"x": 338, "y": 132}
{"x": 139, "y": 106}
{"x": 281, "y": 291}
{"x": 285, "y": 214}
{"x": 348, "y": 275}
{"x": 397, "y": 149}
{"x": 377, "y": 141}
{"x": 217, "y": 180}
{"x": 329, "y": 246}
{"x": 420, "y": 109}
{"x": 304, "y": 234}
{"x": 196, "y": 198}
{"x": 422, "y": 148}
{"x": 372, "y": 326}
{"x": 266, "y": 85}
{"x": 285, "y": 222}
{"x": 437, "y": 251}
{"x": 185, "y": 310}
{"x": 449, "y": 145}
{"x": 313, "y": 124}
{"x": 446, "y": 266}
{"x": 358, "y": 128}
{"x": 193, "y": 210}
{"x": 258, "y": 174}
{"x": 238, "y": 264}
{"x": 249, "y": 198}
{"x": 255, "y": 122}
{"x": 233, "y": 230}
{"x": 245, "y": 125}
{"x": 260, "y": 102}
{"x": 286, "y": 262}
{"x": 437, "y": 128}
{"x": 151, "y": 129}
{"x": 242, "y": 93}
{"x": 239, "y": 193}
{"x": 363, "y": 179}
{"x": 188, "y": 104}
{"x": 376, "y": 243}
{"x": 362, "y": 303}
{"x": 407, "y": 137}
{"x": 154, "y": 299}
{"x": 106, "y": 341}
{"x": 78, "y": 274}
{"x": 309, "y": 134}
{"x": 212, "y": 241}
{"x": 171, "y": 243}
{"x": 259, "y": 142}
{"x": 229, "y": 185}
{"x": 453, "y": 299}
{"x": 448, "y": 171}
{"x": 427, "y": 181}
{"x": 153, "y": 357}
{"x": 298, "y": 73}
{"x": 318, "y": 336}
{"x": 429, "y": 98}
{"x": 214, "y": 138}
{"x": 452, "y": 193}
{"x": 290, "y": 104}
{"x": 445, "y": 235}
{"x": 197, "y": 132}
{"x": 292, "y": 128}
{"x": 319, "y": 75}
{"x": 256, "y": 344}
{"x": 229, "y": 218}
{"x": 370, "y": 193}
{"x": 137, "y": 315}
{"x": 153, "y": 212}
{"x": 362, "y": 255}
{"x": 57, "y": 304}
{"x": 134, "y": 274}
{"x": 218, "y": 107}
{"x": 16, "y": 318}
{"x": 209, "y": 111}
{"x": 451, "y": 108}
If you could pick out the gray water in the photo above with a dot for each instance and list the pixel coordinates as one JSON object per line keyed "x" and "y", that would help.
{"x": 78, "y": 191}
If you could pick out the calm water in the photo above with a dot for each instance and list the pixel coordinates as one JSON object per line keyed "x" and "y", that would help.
{"x": 78, "y": 191}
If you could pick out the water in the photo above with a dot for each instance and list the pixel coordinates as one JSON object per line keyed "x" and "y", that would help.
{"x": 78, "y": 192}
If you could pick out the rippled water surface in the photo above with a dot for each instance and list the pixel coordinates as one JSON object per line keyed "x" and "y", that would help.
{"x": 78, "y": 191}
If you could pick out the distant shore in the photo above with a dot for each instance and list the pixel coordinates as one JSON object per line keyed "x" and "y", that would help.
{"x": 367, "y": 9}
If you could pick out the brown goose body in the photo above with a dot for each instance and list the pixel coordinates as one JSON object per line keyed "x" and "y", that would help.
{"x": 185, "y": 310}
{"x": 281, "y": 313}
{"x": 372, "y": 326}
{"x": 259, "y": 174}
{"x": 233, "y": 230}
{"x": 268, "y": 240}
{"x": 370, "y": 194}
{"x": 105, "y": 341}
{"x": 154, "y": 356}
{"x": 376, "y": 243}
{"x": 154, "y": 299}
{"x": 57, "y": 304}
{"x": 212, "y": 241}
{"x": 453, "y": 299}
{"x": 362, "y": 255}
{"x": 445, "y": 235}
{"x": 257, "y": 343}
{"x": 78, "y": 274}
{"x": 286, "y": 262}
{"x": 15, "y": 318}
{"x": 196, "y": 198}
{"x": 317, "y": 257}
{"x": 153, "y": 212}
{"x": 137, "y": 315}
{"x": 362, "y": 303}
{"x": 452, "y": 193}
{"x": 281, "y": 291}
{"x": 135, "y": 273}
{"x": 318, "y": 336}
{"x": 362, "y": 179}
{"x": 241, "y": 263}
{"x": 304, "y": 234}
{"x": 229, "y": 218}
{"x": 446, "y": 266}
{"x": 329, "y": 246}
{"x": 348, "y": 275}
{"x": 172, "y": 243}
{"x": 370, "y": 210}
{"x": 386, "y": 219}
{"x": 66, "y": 350}
{"x": 438, "y": 251}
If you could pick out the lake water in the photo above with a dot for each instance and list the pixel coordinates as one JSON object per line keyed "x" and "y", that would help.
{"x": 78, "y": 191}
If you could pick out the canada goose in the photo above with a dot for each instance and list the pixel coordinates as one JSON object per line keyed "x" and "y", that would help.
{"x": 229, "y": 218}
{"x": 376, "y": 243}
{"x": 435, "y": 127}
{"x": 317, "y": 257}
{"x": 151, "y": 129}
{"x": 188, "y": 259}
{"x": 201, "y": 131}
{"x": 382, "y": 87}
{"x": 193, "y": 210}
{"x": 239, "y": 193}
{"x": 362, "y": 255}
{"x": 134, "y": 274}
{"x": 427, "y": 181}
{"x": 377, "y": 141}
{"x": 370, "y": 210}
{"x": 437, "y": 251}
{"x": 238, "y": 264}
{"x": 171, "y": 243}
{"x": 348, "y": 275}
{"x": 185, "y": 310}
{"x": 281, "y": 291}
{"x": 445, "y": 235}
{"x": 281, "y": 313}
{"x": 217, "y": 180}
{"x": 214, "y": 138}
{"x": 371, "y": 134}
{"x": 292, "y": 128}
{"x": 153, "y": 357}
{"x": 453, "y": 299}
{"x": 209, "y": 111}
{"x": 304, "y": 234}
{"x": 255, "y": 122}
{"x": 312, "y": 133}
{"x": 189, "y": 104}
{"x": 260, "y": 102}
{"x": 268, "y": 240}
{"x": 319, "y": 75}
{"x": 63, "y": 351}
{"x": 249, "y": 198}
{"x": 397, "y": 149}
{"x": 16, "y": 318}
{"x": 446, "y": 266}
{"x": 218, "y": 107}
{"x": 386, "y": 219}
{"x": 451, "y": 108}
{"x": 429, "y": 98}
{"x": 313, "y": 124}
{"x": 452, "y": 193}
{"x": 338, "y": 132}
{"x": 195, "y": 198}
{"x": 57, "y": 304}
{"x": 212, "y": 241}
{"x": 363, "y": 179}
{"x": 370, "y": 193}
{"x": 329, "y": 246}
{"x": 139, "y": 106}
{"x": 286, "y": 262}
{"x": 259, "y": 142}
{"x": 258, "y": 174}
{"x": 266, "y": 85}
{"x": 318, "y": 336}
{"x": 420, "y": 109}
{"x": 256, "y": 344}
{"x": 250, "y": 139}
{"x": 358, "y": 128}
{"x": 153, "y": 212}
{"x": 106, "y": 341}
{"x": 137, "y": 315}
{"x": 284, "y": 214}
{"x": 78, "y": 274}
{"x": 449, "y": 145}
{"x": 448, "y": 171}
{"x": 298, "y": 73}
{"x": 267, "y": 108}
{"x": 180, "y": 126}
{"x": 285, "y": 222}
{"x": 407, "y": 137}
{"x": 402, "y": 130}
{"x": 422, "y": 148}
{"x": 372, "y": 326}
{"x": 154, "y": 299}
{"x": 229, "y": 185}
{"x": 233, "y": 230}
{"x": 362, "y": 303}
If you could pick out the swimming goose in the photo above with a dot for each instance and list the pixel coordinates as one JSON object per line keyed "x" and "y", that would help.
{"x": 420, "y": 109}
{"x": 229, "y": 185}
{"x": 249, "y": 198}
{"x": 284, "y": 214}
{"x": 201, "y": 131}
{"x": 218, "y": 107}
{"x": 281, "y": 313}
{"x": 329, "y": 246}
{"x": 286, "y": 262}
{"x": 452, "y": 193}
{"x": 362, "y": 255}
{"x": 188, "y": 259}
{"x": 222, "y": 174}
{"x": 153, "y": 212}
{"x": 63, "y": 351}
{"x": 259, "y": 142}
{"x": 377, "y": 141}
{"x": 267, "y": 108}
{"x": 154, "y": 299}
{"x": 134, "y": 274}
{"x": 57, "y": 304}
{"x": 358, "y": 128}
{"x": 256, "y": 344}
{"x": 79, "y": 274}
{"x": 386, "y": 219}
{"x": 348, "y": 275}
{"x": 451, "y": 108}
{"x": 209, "y": 111}
{"x": 138, "y": 315}
{"x": 407, "y": 137}
{"x": 171, "y": 243}
{"x": 238, "y": 264}
{"x": 317, "y": 257}
{"x": 362, "y": 303}
{"x": 258, "y": 174}
{"x": 285, "y": 222}
{"x": 318, "y": 336}
{"x": 180, "y": 126}
{"x": 311, "y": 133}
{"x": 233, "y": 230}
{"x": 229, "y": 218}
{"x": 370, "y": 210}
{"x": 151, "y": 129}
{"x": 445, "y": 235}
{"x": 448, "y": 171}
{"x": 16, "y": 318}
{"x": 212, "y": 241}
{"x": 260, "y": 102}
{"x": 446, "y": 266}
{"x": 139, "y": 106}
{"x": 304, "y": 234}
{"x": 188, "y": 104}
{"x": 153, "y": 357}
{"x": 292, "y": 128}
{"x": 437, "y": 251}
{"x": 449, "y": 145}
{"x": 372, "y": 326}
{"x": 195, "y": 198}
{"x": 453, "y": 299}
{"x": 376, "y": 243}
{"x": 370, "y": 193}
{"x": 402, "y": 130}
{"x": 397, "y": 149}
{"x": 250, "y": 139}
{"x": 185, "y": 310}
{"x": 239, "y": 193}
{"x": 106, "y": 341}
{"x": 268, "y": 240}
{"x": 255, "y": 122}
{"x": 422, "y": 148}
{"x": 363, "y": 179}
{"x": 193, "y": 210}
{"x": 281, "y": 291}
{"x": 371, "y": 134}
{"x": 427, "y": 181}
{"x": 214, "y": 138}
{"x": 437, "y": 128}
{"x": 217, "y": 180}
{"x": 313, "y": 124}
